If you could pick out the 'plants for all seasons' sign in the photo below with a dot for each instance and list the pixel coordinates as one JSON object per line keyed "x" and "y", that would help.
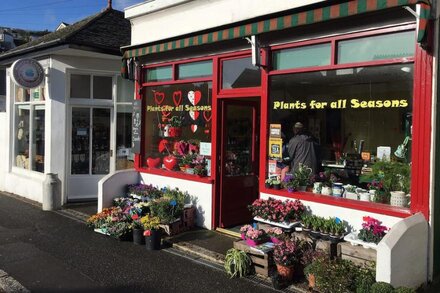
{"x": 340, "y": 104}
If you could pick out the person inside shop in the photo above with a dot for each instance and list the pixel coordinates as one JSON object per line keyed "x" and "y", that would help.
{"x": 303, "y": 148}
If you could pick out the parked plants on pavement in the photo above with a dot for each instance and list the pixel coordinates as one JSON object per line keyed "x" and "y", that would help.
{"x": 237, "y": 263}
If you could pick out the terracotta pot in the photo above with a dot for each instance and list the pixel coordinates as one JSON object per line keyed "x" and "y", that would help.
{"x": 312, "y": 280}
{"x": 286, "y": 272}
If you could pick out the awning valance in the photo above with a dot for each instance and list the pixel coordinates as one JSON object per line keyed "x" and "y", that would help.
{"x": 331, "y": 12}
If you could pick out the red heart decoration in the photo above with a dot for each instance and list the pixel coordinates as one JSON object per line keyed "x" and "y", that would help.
{"x": 194, "y": 114}
{"x": 159, "y": 97}
{"x": 197, "y": 97}
{"x": 193, "y": 128}
{"x": 170, "y": 162}
{"x": 177, "y": 98}
{"x": 163, "y": 145}
{"x": 207, "y": 115}
{"x": 153, "y": 162}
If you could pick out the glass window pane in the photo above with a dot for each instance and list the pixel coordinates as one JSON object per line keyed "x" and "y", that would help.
{"x": 240, "y": 73}
{"x": 178, "y": 121}
{"x": 80, "y": 141}
{"x": 389, "y": 46}
{"x": 349, "y": 118}
{"x": 22, "y": 94}
{"x": 21, "y": 136}
{"x": 102, "y": 87}
{"x": 159, "y": 73}
{"x": 38, "y": 139}
{"x": 79, "y": 86}
{"x": 309, "y": 56}
{"x": 125, "y": 90}
{"x": 195, "y": 69}
{"x": 101, "y": 141}
{"x": 124, "y": 156}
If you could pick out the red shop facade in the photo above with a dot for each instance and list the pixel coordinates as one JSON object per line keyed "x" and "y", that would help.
{"x": 357, "y": 77}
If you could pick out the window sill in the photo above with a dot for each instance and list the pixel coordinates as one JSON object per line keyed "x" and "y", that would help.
{"x": 371, "y": 207}
{"x": 176, "y": 174}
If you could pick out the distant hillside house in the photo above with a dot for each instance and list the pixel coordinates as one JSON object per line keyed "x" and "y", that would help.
{"x": 76, "y": 123}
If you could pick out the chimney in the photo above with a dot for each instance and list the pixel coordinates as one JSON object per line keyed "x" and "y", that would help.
{"x": 109, "y": 5}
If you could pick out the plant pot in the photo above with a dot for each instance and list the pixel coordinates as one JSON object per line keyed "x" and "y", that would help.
{"x": 317, "y": 187}
{"x": 152, "y": 242}
{"x": 315, "y": 234}
{"x": 335, "y": 239}
{"x": 312, "y": 280}
{"x": 138, "y": 236}
{"x": 285, "y": 272}
{"x": 189, "y": 171}
{"x": 277, "y": 186}
{"x": 275, "y": 240}
{"x": 326, "y": 190}
{"x": 267, "y": 185}
{"x": 337, "y": 189}
{"x": 398, "y": 198}
{"x": 252, "y": 242}
{"x": 364, "y": 196}
{"x": 302, "y": 188}
{"x": 125, "y": 237}
{"x": 351, "y": 195}
{"x": 324, "y": 236}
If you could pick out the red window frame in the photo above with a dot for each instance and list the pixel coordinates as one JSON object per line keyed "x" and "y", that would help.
{"x": 139, "y": 93}
{"x": 421, "y": 123}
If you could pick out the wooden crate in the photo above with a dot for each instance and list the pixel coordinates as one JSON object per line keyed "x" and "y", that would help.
{"x": 173, "y": 228}
{"x": 263, "y": 262}
{"x": 188, "y": 219}
{"x": 358, "y": 254}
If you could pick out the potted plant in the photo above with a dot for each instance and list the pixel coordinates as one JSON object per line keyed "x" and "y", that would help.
{"x": 186, "y": 163}
{"x": 350, "y": 192}
{"x": 152, "y": 232}
{"x": 302, "y": 176}
{"x": 175, "y": 129}
{"x": 372, "y": 230}
{"x": 276, "y": 183}
{"x": 285, "y": 255}
{"x": 325, "y": 228}
{"x": 138, "y": 230}
{"x": 199, "y": 163}
{"x": 243, "y": 231}
{"x": 290, "y": 183}
{"x": 255, "y": 236}
{"x": 316, "y": 223}
{"x": 275, "y": 234}
{"x": 237, "y": 263}
{"x": 120, "y": 230}
{"x": 382, "y": 287}
{"x": 268, "y": 183}
{"x": 306, "y": 222}
{"x": 337, "y": 230}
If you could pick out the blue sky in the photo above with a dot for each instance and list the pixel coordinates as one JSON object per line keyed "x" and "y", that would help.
{"x": 48, "y": 14}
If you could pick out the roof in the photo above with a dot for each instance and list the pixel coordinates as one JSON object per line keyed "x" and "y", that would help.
{"x": 106, "y": 32}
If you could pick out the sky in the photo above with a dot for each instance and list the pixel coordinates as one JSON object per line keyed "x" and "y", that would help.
{"x": 48, "y": 14}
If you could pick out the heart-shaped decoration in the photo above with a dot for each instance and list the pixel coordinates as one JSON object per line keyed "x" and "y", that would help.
{"x": 207, "y": 115}
{"x": 194, "y": 115}
{"x": 170, "y": 162}
{"x": 153, "y": 162}
{"x": 177, "y": 98}
{"x": 197, "y": 97}
{"x": 193, "y": 128}
{"x": 159, "y": 97}
{"x": 163, "y": 145}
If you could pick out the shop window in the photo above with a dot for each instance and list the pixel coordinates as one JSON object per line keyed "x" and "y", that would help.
{"x": 29, "y": 129}
{"x": 162, "y": 73}
{"x": 124, "y": 108}
{"x": 194, "y": 70}
{"x": 80, "y": 86}
{"x": 102, "y": 87}
{"x": 308, "y": 56}
{"x": 240, "y": 73}
{"x": 352, "y": 126}
{"x": 177, "y": 127}
{"x": 389, "y": 46}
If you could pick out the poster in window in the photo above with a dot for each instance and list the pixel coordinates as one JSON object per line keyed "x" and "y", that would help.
{"x": 275, "y": 148}
{"x": 136, "y": 127}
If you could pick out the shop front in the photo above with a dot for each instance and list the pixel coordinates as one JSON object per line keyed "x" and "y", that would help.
{"x": 334, "y": 106}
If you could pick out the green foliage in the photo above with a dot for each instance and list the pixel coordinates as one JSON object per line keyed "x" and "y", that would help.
{"x": 170, "y": 206}
{"x": 396, "y": 176}
{"x": 333, "y": 276}
{"x": 237, "y": 263}
{"x": 302, "y": 175}
{"x": 404, "y": 290}
{"x": 381, "y": 287}
{"x": 365, "y": 278}
{"x": 176, "y": 121}
{"x": 118, "y": 229}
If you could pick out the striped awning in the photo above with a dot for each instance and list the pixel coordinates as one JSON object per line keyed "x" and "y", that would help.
{"x": 336, "y": 11}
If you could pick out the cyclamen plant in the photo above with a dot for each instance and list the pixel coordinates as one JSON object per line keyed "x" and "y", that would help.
{"x": 372, "y": 230}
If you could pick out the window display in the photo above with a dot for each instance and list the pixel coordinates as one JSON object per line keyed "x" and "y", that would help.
{"x": 178, "y": 127}
{"x": 349, "y": 128}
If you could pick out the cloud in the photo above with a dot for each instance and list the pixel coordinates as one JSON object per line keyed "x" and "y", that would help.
{"x": 122, "y": 4}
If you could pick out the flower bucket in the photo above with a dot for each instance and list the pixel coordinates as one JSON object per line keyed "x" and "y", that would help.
{"x": 285, "y": 272}
{"x": 275, "y": 240}
{"x": 138, "y": 236}
{"x": 152, "y": 242}
{"x": 252, "y": 242}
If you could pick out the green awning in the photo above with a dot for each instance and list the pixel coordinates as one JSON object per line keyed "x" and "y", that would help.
{"x": 331, "y": 12}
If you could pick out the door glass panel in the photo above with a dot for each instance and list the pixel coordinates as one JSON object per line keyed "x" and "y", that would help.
{"x": 240, "y": 73}
{"x": 38, "y": 139}
{"x": 238, "y": 150}
{"x": 124, "y": 156}
{"x": 80, "y": 86}
{"x": 102, "y": 87}
{"x": 101, "y": 141}
{"x": 80, "y": 141}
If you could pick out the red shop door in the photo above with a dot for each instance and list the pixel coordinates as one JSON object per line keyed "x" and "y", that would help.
{"x": 238, "y": 159}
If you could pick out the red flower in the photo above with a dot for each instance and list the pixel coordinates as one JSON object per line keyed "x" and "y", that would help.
{"x": 147, "y": 233}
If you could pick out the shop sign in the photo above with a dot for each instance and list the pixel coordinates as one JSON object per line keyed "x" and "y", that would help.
{"x": 341, "y": 104}
{"x": 205, "y": 148}
{"x": 27, "y": 73}
{"x": 275, "y": 148}
{"x": 136, "y": 127}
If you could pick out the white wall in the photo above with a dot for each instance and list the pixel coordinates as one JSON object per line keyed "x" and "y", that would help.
{"x": 202, "y": 192}
{"x": 352, "y": 217}
{"x": 183, "y": 17}
{"x": 3, "y": 152}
